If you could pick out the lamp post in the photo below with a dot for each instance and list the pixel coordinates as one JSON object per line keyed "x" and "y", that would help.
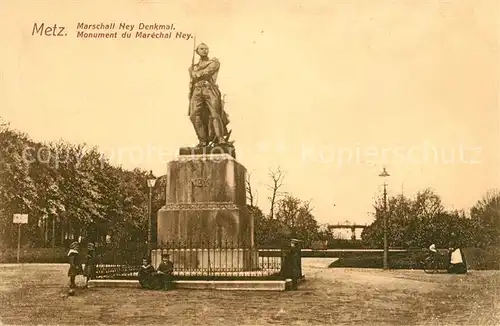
{"x": 386, "y": 247}
{"x": 151, "y": 184}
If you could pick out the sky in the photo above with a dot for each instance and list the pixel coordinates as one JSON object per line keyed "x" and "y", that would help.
{"x": 329, "y": 91}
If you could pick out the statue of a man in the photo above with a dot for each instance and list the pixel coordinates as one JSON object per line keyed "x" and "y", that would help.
{"x": 205, "y": 105}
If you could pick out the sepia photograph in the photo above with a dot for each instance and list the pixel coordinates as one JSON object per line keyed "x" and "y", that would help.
{"x": 250, "y": 162}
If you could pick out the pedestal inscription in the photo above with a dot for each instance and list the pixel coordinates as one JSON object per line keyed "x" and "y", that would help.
{"x": 206, "y": 203}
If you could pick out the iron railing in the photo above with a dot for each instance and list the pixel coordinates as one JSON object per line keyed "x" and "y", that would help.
{"x": 120, "y": 263}
{"x": 202, "y": 261}
{"x": 222, "y": 260}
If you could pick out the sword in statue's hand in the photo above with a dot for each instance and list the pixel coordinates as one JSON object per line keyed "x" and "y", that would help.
{"x": 191, "y": 83}
{"x": 194, "y": 51}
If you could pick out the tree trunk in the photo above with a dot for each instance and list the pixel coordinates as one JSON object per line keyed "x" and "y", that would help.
{"x": 46, "y": 231}
{"x": 53, "y": 231}
{"x": 61, "y": 227}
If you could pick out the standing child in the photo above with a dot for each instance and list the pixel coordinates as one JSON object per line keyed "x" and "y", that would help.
{"x": 90, "y": 262}
{"x": 75, "y": 264}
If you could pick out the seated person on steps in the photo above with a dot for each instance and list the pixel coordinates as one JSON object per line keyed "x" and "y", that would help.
{"x": 164, "y": 273}
{"x": 146, "y": 274}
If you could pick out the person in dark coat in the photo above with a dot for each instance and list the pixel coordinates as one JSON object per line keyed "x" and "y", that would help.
{"x": 165, "y": 272}
{"x": 291, "y": 265}
{"x": 146, "y": 275}
{"x": 75, "y": 264}
{"x": 90, "y": 264}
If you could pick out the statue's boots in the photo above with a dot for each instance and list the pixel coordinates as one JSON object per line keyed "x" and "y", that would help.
{"x": 219, "y": 131}
{"x": 200, "y": 130}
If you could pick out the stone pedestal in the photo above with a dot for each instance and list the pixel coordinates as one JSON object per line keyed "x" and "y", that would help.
{"x": 206, "y": 207}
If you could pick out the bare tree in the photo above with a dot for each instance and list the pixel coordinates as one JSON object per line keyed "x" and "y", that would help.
{"x": 276, "y": 183}
{"x": 251, "y": 197}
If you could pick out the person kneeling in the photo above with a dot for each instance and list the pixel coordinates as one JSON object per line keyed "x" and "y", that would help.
{"x": 164, "y": 275}
{"x": 146, "y": 275}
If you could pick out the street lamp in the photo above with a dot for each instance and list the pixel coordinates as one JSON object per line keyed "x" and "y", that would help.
{"x": 386, "y": 247}
{"x": 151, "y": 184}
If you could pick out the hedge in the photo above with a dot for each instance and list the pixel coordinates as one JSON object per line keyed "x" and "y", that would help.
{"x": 59, "y": 255}
{"x": 476, "y": 258}
{"x": 34, "y": 255}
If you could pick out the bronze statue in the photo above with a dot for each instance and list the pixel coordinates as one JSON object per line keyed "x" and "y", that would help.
{"x": 206, "y": 108}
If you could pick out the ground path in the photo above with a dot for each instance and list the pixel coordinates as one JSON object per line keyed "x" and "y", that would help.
{"x": 36, "y": 294}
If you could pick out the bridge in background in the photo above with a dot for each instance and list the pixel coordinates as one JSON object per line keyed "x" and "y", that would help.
{"x": 352, "y": 227}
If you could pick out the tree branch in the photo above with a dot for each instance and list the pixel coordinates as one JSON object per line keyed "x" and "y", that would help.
{"x": 250, "y": 195}
{"x": 277, "y": 182}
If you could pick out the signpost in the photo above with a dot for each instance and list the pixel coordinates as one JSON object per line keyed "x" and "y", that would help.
{"x": 19, "y": 219}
